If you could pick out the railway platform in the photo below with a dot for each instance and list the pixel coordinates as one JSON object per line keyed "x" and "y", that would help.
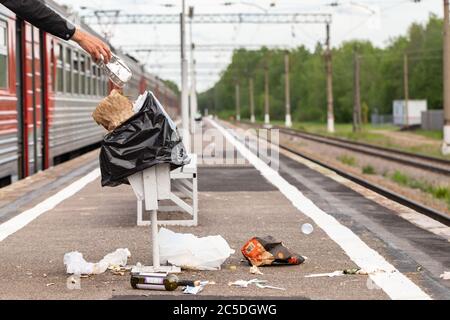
{"x": 65, "y": 209}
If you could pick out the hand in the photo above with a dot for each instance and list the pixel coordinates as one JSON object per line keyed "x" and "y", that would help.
{"x": 93, "y": 45}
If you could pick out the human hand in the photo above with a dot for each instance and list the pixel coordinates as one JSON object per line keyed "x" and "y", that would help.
{"x": 93, "y": 45}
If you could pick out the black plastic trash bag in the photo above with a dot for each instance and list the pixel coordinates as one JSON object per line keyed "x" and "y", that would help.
{"x": 148, "y": 138}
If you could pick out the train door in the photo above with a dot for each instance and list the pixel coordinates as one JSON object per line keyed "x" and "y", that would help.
{"x": 32, "y": 99}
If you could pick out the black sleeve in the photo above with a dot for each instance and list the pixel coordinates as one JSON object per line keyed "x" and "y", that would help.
{"x": 41, "y": 16}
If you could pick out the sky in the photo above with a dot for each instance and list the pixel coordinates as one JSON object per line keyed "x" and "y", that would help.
{"x": 374, "y": 20}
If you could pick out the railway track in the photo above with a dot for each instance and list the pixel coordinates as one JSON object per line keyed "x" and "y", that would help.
{"x": 428, "y": 163}
{"x": 430, "y": 212}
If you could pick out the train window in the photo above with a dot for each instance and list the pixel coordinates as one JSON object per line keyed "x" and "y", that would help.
{"x": 99, "y": 81}
{"x": 105, "y": 87}
{"x": 83, "y": 73}
{"x": 59, "y": 69}
{"x": 3, "y": 55}
{"x": 68, "y": 70}
{"x": 76, "y": 73}
{"x": 102, "y": 87}
{"x": 94, "y": 80}
{"x": 88, "y": 76}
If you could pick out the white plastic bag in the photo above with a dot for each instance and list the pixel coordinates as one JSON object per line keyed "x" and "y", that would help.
{"x": 75, "y": 263}
{"x": 190, "y": 252}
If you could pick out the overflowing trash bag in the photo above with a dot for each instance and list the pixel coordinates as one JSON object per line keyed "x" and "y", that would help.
{"x": 266, "y": 251}
{"x": 147, "y": 138}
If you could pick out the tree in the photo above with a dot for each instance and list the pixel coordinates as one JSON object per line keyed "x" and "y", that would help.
{"x": 381, "y": 77}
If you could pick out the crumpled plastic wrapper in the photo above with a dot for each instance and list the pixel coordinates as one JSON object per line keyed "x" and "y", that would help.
{"x": 75, "y": 263}
{"x": 190, "y": 252}
{"x": 113, "y": 110}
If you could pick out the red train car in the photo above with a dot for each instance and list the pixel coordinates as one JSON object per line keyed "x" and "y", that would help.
{"x": 48, "y": 91}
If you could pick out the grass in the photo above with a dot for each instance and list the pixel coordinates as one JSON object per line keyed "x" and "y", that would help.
{"x": 438, "y": 192}
{"x": 348, "y": 160}
{"x": 368, "y": 170}
{"x": 370, "y": 134}
{"x": 435, "y": 135}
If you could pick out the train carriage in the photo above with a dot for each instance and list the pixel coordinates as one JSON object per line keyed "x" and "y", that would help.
{"x": 48, "y": 91}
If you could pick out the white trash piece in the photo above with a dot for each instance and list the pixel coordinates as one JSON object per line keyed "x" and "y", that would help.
{"x": 245, "y": 283}
{"x": 190, "y": 252}
{"x": 263, "y": 286}
{"x": 445, "y": 275}
{"x": 75, "y": 263}
{"x": 137, "y": 105}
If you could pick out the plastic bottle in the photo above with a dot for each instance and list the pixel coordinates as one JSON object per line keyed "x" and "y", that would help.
{"x": 117, "y": 71}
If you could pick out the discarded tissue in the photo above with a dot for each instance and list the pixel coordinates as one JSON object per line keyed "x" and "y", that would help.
{"x": 190, "y": 252}
{"x": 75, "y": 263}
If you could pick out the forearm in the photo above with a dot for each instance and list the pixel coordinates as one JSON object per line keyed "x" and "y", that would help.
{"x": 41, "y": 16}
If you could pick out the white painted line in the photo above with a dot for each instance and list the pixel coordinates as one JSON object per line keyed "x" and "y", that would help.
{"x": 395, "y": 284}
{"x": 18, "y": 222}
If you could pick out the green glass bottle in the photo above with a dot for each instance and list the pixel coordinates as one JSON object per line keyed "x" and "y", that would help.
{"x": 155, "y": 281}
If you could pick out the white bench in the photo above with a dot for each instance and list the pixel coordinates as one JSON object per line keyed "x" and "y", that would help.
{"x": 158, "y": 183}
{"x": 154, "y": 184}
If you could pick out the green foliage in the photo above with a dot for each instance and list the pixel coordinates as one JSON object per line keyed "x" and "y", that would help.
{"x": 348, "y": 160}
{"x": 368, "y": 170}
{"x": 400, "y": 178}
{"x": 381, "y": 77}
{"x": 438, "y": 192}
{"x": 172, "y": 85}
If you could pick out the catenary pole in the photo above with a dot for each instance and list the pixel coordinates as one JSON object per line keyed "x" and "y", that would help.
{"x": 446, "y": 86}
{"x": 184, "y": 82}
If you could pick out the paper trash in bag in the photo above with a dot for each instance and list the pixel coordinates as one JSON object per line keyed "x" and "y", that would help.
{"x": 146, "y": 139}
{"x": 190, "y": 252}
{"x": 113, "y": 110}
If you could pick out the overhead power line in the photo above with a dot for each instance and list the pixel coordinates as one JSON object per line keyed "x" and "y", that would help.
{"x": 202, "y": 47}
{"x": 216, "y": 18}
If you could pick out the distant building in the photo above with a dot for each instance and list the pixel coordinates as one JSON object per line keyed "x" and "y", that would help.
{"x": 410, "y": 116}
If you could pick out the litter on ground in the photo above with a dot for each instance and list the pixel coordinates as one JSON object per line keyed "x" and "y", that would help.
{"x": 264, "y": 286}
{"x": 329, "y": 274}
{"x": 245, "y": 284}
{"x": 193, "y": 290}
{"x": 190, "y": 252}
{"x": 337, "y": 273}
{"x": 267, "y": 251}
{"x": 76, "y": 264}
{"x": 255, "y": 270}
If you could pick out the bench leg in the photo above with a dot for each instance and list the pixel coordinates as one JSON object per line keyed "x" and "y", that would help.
{"x": 195, "y": 199}
{"x": 155, "y": 243}
{"x": 140, "y": 222}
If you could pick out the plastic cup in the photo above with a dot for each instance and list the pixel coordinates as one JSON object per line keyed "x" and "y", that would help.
{"x": 307, "y": 228}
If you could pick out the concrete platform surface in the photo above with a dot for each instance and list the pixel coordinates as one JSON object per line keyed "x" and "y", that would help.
{"x": 236, "y": 202}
